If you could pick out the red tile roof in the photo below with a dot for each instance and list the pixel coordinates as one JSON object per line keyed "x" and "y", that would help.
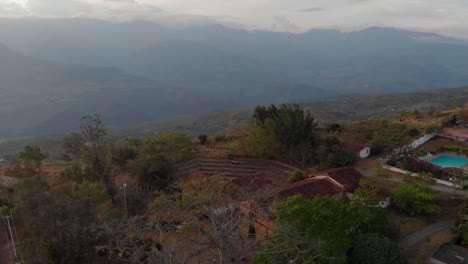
{"x": 354, "y": 146}
{"x": 192, "y": 176}
{"x": 453, "y": 170}
{"x": 348, "y": 177}
{"x": 253, "y": 181}
{"x": 311, "y": 188}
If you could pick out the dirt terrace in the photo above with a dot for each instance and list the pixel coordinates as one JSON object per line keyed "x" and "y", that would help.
{"x": 238, "y": 168}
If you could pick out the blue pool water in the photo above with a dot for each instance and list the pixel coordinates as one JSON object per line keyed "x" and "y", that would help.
{"x": 445, "y": 161}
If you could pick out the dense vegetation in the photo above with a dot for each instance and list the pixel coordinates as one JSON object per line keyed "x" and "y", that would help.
{"x": 118, "y": 200}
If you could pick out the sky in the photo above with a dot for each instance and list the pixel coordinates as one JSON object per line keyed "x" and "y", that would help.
{"x": 442, "y": 16}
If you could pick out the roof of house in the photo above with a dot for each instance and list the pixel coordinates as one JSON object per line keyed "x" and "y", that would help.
{"x": 192, "y": 175}
{"x": 348, "y": 177}
{"x": 310, "y": 188}
{"x": 451, "y": 254}
{"x": 354, "y": 146}
{"x": 452, "y": 170}
{"x": 254, "y": 181}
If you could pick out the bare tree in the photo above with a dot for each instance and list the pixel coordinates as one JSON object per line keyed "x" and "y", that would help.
{"x": 220, "y": 221}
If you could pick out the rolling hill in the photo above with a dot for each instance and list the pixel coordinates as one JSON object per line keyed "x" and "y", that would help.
{"x": 340, "y": 108}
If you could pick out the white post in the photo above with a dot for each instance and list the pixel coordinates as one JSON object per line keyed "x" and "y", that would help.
{"x": 125, "y": 199}
{"x": 12, "y": 238}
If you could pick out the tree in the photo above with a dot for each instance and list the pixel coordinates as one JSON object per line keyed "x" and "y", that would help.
{"x": 125, "y": 152}
{"x": 153, "y": 164}
{"x": 215, "y": 219}
{"x": 375, "y": 249}
{"x": 415, "y": 199}
{"x": 93, "y": 134}
{"x": 461, "y": 227}
{"x": 203, "y": 139}
{"x": 154, "y": 171}
{"x": 32, "y": 157}
{"x": 458, "y": 180}
{"x": 366, "y": 203}
{"x": 175, "y": 147}
{"x": 72, "y": 145}
{"x": 56, "y": 223}
{"x": 298, "y": 176}
{"x": 262, "y": 140}
{"x": 138, "y": 240}
{"x": 305, "y": 234}
{"x": 294, "y": 130}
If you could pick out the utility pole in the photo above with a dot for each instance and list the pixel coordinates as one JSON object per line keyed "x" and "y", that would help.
{"x": 11, "y": 237}
{"x": 125, "y": 199}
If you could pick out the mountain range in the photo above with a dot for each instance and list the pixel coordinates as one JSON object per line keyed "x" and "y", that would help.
{"x": 53, "y": 71}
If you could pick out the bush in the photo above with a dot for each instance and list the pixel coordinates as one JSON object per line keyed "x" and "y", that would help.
{"x": 219, "y": 137}
{"x": 298, "y": 176}
{"x": 375, "y": 249}
{"x": 203, "y": 139}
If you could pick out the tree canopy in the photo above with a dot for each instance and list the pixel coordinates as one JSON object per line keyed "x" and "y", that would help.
{"x": 375, "y": 249}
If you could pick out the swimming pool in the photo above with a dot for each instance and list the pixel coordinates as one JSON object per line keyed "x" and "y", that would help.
{"x": 446, "y": 161}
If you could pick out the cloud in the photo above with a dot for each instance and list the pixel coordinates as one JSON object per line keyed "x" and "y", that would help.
{"x": 447, "y": 16}
{"x": 312, "y": 9}
{"x": 283, "y": 24}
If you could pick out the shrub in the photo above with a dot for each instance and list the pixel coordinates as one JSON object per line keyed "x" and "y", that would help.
{"x": 298, "y": 176}
{"x": 219, "y": 137}
{"x": 203, "y": 139}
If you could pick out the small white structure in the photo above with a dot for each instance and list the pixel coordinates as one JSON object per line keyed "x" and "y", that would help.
{"x": 362, "y": 151}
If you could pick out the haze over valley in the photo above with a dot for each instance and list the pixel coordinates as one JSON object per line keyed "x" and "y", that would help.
{"x": 54, "y": 71}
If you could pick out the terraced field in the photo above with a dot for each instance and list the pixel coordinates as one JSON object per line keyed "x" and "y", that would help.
{"x": 228, "y": 169}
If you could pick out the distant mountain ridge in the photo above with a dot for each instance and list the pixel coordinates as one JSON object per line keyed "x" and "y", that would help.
{"x": 55, "y": 70}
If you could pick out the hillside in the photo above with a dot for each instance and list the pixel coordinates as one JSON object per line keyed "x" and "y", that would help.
{"x": 342, "y": 108}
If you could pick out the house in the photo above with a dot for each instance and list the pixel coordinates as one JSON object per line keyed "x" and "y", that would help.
{"x": 347, "y": 178}
{"x": 361, "y": 150}
{"x": 450, "y": 253}
{"x": 311, "y": 188}
{"x": 335, "y": 182}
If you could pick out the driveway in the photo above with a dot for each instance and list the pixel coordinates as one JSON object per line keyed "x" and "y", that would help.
{"x": 419, "y": 236}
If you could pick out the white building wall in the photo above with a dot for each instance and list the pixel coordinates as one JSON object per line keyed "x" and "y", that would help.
{"x": 364, "y": 153}
{"x": 422, "y": 140}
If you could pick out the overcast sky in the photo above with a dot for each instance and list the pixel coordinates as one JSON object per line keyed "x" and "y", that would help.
{"x": 444, "y": 16}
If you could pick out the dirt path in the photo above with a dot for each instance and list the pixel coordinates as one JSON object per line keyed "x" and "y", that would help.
{"x": 414, "y": 239}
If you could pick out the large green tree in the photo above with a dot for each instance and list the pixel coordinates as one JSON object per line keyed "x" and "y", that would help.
{"x": 461, "y": 226}
{"x": 375, "y": 249}
{"x": 56, "y": 223}
{"x": 415, "y": 197}
{"x": 294, "y": 130}
{"x": 32, "y": 157}
{"x": 310, "y": 231}
{"x": 366, "y": 203}
{"x": 153, "y": 165}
